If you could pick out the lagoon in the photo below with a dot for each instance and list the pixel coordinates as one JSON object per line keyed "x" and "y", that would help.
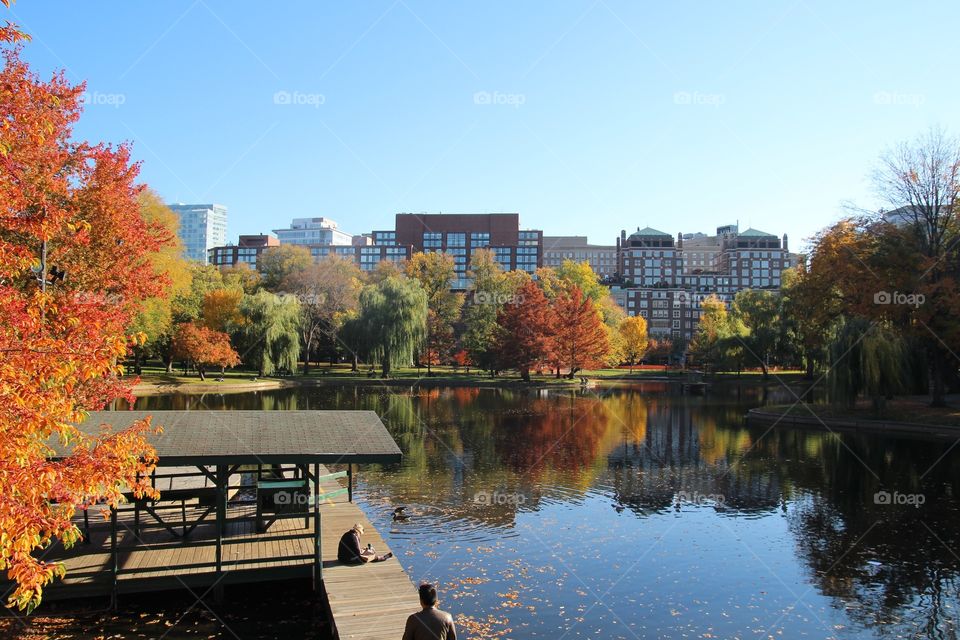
{"x": 636, "y": 511}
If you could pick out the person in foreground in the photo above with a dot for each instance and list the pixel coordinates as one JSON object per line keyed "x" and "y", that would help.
{"x": 349, "y": 551}
{"x": 431, "y": 623}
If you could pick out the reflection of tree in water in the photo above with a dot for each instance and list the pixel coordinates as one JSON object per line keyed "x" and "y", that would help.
{"x": 558, "y": 431}
{"x": 883, "y": 560}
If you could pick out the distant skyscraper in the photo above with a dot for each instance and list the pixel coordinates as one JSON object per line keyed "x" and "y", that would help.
{"x": 202, "y": 227}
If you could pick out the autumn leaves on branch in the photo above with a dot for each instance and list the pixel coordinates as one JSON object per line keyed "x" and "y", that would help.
{"x": 67, "y": 208}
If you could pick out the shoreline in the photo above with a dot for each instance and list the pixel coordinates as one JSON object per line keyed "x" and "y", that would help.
{"x": 151, "y": 387}
{"x": 853, "y": 425}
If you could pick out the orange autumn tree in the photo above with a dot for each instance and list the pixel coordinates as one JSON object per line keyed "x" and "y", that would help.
{"x": 73, "y": 272}
{"x": 579, "y": 338}
{"x": 203, "y": 347}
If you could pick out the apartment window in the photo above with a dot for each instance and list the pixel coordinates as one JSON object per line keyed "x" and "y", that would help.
{"x": 456, "y": 239}
{"x": 480, "y": 239}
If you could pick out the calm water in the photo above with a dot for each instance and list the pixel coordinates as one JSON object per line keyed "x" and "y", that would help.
{"x": 640, "y": 513}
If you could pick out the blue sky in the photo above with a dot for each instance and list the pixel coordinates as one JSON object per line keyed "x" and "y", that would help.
{"x": 585, "y": 117}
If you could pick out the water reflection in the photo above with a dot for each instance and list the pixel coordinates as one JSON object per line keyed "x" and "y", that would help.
{"x": 640, "y": 511}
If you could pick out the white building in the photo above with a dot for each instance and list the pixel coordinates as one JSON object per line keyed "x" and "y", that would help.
{"x": 202, "y": 227}
{"x": 314, "y": 232}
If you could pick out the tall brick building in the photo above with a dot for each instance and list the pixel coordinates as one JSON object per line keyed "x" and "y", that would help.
{"x": 462, "y": 234}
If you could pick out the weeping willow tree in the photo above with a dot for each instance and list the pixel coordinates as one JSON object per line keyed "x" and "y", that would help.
{"x": 271, "y": 331}
{"x": 867, "y": 359}
{"x": 393, "y": 322}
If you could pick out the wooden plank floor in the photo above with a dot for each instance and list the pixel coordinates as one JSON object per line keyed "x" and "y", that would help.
{"x": 369, "y": 602}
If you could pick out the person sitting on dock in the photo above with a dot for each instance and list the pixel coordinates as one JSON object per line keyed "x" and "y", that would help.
{"x": 431, "y": 623}
{"x": 349, "y": 551}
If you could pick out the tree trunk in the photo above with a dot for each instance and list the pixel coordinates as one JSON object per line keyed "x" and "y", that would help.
{"x": 937, "y": 387}
{"x": 200, "y": 371}
{"x": 386, "y": 367}
{"x": 809, "y": 374}
{"x": 525, "y": 374}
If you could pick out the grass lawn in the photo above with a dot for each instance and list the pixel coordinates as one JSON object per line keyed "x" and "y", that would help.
{"x": 155, "y": 373}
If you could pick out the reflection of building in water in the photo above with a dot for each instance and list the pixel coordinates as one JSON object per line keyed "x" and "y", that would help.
{"x": 670, "y": 459}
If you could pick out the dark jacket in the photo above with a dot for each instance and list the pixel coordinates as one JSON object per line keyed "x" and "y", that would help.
{"x": 430, "y": 624}
{"x": 348, "y": 551}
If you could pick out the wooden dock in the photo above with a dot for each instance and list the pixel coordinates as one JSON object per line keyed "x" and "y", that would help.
{"x": 370, "y": 601}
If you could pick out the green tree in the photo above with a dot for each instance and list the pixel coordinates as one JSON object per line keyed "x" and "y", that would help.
{"x": 435, "y": 272}
{"x": 276, "y": 264}
{"x": 491, "y": 289}
{"x": 759, "y": 311}
{"x": 718, "y": 341}
{"x": 329, "y": 292}
{"x": 393, "y": 321}
{"x": 866, "y": 358}
{"x": 271, "y": 332}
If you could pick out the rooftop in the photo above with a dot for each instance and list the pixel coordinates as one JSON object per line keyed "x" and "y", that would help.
{"x": 258, "y": 437}
{"x": 648, "y": 231}
{"x": 756, "y": 233}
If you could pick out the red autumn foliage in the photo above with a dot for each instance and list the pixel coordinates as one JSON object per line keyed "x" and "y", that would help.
{"x": 579, "y": 337}
{"x": 526, "y": 330}
{"x": 61, "y": 338}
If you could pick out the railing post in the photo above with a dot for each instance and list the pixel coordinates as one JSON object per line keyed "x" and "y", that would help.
{"x": 350, "y": 482}
{"x": 114, "y": 552}
{"x": 317, "y": 560}
{"x": 222, "y": 480}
